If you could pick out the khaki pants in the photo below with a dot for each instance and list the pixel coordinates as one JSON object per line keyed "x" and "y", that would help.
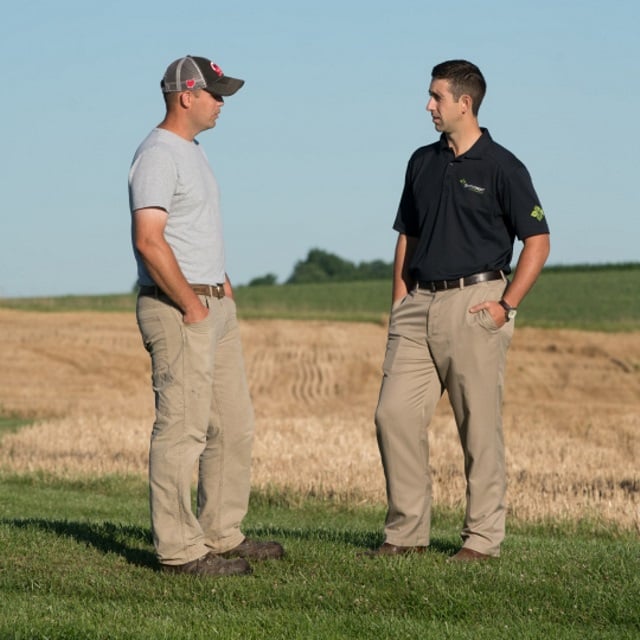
{"x": 204, "y": 416}
{"x": 434, "y": 343}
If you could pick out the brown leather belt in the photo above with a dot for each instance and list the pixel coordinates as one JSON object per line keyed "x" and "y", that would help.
{"x": 460, "y": 283}
{"x": 212, "y": 290}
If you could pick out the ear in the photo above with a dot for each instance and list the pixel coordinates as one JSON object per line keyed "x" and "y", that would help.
{"x": 185, "y": 99}
{"x": 466, "y": 103}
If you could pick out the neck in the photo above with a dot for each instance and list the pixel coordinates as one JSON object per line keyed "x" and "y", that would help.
{"x": 178, "y": 126}
{"x": 461, "y": 141}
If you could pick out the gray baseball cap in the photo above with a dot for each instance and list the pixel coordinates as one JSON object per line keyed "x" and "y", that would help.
{"x": 194, "y": 72}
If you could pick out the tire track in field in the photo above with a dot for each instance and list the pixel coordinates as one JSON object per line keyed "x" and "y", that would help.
{"x": 310, "y": 365}
{"x": 303, "y": 375}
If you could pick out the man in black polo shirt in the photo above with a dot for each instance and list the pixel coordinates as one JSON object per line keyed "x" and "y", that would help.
{"x": 464, "y": 202}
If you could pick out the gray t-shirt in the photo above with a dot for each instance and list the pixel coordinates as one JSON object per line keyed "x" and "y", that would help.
{"x": 171, "y": 173}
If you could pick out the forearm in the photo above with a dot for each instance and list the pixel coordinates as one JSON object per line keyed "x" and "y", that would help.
{"x": 163, "y": 268}
{"x": 402, "y": 282}
{"x": 532, "y": 259}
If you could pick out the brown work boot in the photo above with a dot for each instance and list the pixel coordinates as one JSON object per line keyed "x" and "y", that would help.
{"x": 211, "y": 565}
{"x": 255, "y": 550}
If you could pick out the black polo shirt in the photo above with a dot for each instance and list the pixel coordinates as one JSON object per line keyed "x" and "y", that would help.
{"x": 466, "y": 211}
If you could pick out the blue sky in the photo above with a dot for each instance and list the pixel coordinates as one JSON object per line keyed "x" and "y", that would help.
{"x": 312, "y": 151}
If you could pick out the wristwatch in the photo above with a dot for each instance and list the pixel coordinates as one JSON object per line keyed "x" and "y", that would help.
{"x": 509, "y": 312}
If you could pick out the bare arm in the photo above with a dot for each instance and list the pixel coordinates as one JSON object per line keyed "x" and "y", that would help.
{"x": 402, "y": 282}
{"x": 534, "y": 255}
{"x": 161, "y": 263}
{"x": 532, "y": 259}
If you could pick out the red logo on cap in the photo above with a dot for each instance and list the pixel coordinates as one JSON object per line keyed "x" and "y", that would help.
{"x": 217, "y": 69}
{"x": 190, "y": 84}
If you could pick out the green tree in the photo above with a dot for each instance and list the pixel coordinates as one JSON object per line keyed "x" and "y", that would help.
{"x": 322, "y": 266}
{"x": 267, "y": 280}
{"x": 375, "y": 270}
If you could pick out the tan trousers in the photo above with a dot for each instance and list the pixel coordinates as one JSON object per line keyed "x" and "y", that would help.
{"x": 434, "y": 343}
{"x": 204, "y": 416}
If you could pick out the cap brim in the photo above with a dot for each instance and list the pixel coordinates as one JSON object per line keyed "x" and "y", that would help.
{"x": 225, "y": 86}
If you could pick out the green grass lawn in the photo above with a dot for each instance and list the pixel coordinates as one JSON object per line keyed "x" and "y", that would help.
{"x": 599, "y": 298}
{"x": 77, "y": 562}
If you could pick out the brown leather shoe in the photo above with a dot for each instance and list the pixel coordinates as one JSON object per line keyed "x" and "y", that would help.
{"x": 210, "y": 565}
{"x": 387, "y": 549}
{"x": 469, "y": 555}
{"x": 255, "y": 550}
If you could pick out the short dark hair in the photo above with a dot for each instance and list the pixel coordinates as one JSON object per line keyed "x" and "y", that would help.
{"x": 464, "y": 78}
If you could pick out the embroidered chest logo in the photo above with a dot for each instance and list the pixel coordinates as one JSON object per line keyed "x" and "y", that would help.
{"x": 537, "y": 213}
{"x": 472, "y": 187}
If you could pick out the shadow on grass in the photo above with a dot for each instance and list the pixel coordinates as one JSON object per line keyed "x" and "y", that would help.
{"x": 106, "y": 537}
{"x": 360, "y": 539}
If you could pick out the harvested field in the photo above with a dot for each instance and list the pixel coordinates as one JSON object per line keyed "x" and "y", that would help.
{"x": 572, "y": 410}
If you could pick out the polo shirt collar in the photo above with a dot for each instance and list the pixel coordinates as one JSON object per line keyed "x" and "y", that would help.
{"x": 477, "y": 150}
{"x": 481, "y": 145}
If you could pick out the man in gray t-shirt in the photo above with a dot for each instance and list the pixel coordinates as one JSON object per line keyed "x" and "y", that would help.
{"x": 187, "y": 319}
{"x": 172, "y": 174}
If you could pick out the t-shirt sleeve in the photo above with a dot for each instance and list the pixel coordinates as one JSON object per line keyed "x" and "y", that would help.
{"x": 152, "y": 180}
{"x": 522, "y": 205}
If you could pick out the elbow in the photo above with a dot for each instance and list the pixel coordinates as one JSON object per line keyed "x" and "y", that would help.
{"x": 140, "y": 244}
{"x": 144, "y": 246}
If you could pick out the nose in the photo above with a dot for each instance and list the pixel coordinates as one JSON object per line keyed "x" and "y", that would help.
{"x": 430, "y": 105}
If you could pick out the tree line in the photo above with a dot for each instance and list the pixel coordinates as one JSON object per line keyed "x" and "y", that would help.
{"x": 322, "y": 266}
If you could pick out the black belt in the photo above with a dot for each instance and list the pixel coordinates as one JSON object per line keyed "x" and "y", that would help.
{"x": 460, "y": 283}
{"x": 213, "y": 290}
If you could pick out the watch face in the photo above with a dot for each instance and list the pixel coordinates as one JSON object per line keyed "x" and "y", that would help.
{"x": 511, "y": 314}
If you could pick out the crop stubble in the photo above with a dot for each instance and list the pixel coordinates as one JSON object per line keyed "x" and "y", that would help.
{"x": 572, "y": 410}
